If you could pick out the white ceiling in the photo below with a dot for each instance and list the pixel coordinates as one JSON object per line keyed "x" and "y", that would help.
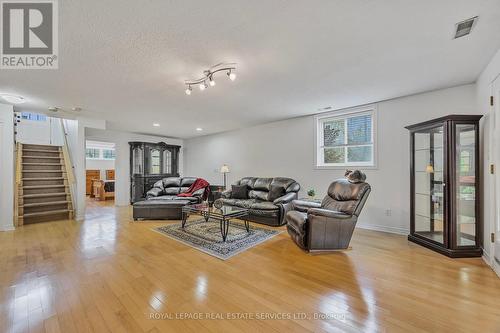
{"x": 125, "y": 61}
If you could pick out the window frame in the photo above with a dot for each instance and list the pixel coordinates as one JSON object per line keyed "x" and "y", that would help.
{"x": 103, "y": 150}
{"x": 93, "y": 158}
{"x": 320, "y": 119}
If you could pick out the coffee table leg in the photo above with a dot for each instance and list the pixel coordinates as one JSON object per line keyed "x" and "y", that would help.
{"x": 224, "y": 228}
{"x": 184, "y": 218}
{"x": 247, "y": 225}
{"x": 207, "y": 216}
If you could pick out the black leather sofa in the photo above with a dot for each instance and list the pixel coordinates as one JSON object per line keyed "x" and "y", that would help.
{"x": 162, "y": 201}
{"x": 262, "y": 207}
{"x": 168, "y": 188}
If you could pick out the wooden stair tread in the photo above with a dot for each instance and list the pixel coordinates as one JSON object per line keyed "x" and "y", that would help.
{"x": 42, "y": 150}
{"x": 42, "y": 186}
{"x": 50, "y": 212}
{"x": 43, "y": 178}
{"x": 51, "y": 203}
{"x": 43, "y": 195}
{"x": 47, "y": 171}
{"x": 32, "y": 163}
{"x": 47, "y": 157}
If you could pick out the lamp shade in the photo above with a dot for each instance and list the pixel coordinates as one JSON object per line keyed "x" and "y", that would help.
{"x": 224, "y": 169}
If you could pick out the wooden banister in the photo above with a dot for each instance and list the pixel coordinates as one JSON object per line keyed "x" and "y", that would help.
{"x": 18, "y": 187}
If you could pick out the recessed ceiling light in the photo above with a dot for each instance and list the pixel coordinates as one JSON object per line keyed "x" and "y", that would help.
{"x": 13, "y": 99}
{"x": 156, "y": 125}
{"x": 199, "y": 129}
{"x": 76, "y": 109}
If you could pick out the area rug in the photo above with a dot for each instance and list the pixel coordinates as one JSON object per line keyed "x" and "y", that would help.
{"x": 206, "y": 237}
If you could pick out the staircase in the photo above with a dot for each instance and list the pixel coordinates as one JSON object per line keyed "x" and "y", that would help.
{"x": 43, "y": 187}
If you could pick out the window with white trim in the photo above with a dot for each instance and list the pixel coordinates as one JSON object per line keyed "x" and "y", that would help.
{"x": 346, "y": 139}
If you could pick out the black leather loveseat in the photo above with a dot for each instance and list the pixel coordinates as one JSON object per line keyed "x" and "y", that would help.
{"x": 168, "y": 188}
{"x": 162, "y": 201}
{"x": 268, "y": 199}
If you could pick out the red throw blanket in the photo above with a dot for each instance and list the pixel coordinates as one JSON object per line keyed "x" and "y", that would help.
{"x": 198, "y": 184}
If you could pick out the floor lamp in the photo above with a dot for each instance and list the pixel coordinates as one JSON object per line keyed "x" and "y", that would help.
{"x": 224, "y": 170}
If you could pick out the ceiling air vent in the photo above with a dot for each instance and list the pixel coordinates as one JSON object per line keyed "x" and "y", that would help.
{"x": 464, "y": 28}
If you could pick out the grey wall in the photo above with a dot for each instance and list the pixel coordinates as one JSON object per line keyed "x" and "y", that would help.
{"x": 7, "y": 161}
{"x": 286, "y": 148}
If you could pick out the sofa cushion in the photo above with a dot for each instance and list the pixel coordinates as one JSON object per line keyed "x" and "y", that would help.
{"x": 264, "y": 205}
{"x": 237, "y": 202}
{"x": 159, "y": 184}
{"x": 161, "y": 203}
{"x": 173, "y": 198}
{"x": 187, "y": 181}
{"x": 183, "y": 189}
{"x": 297, "y": 221}
{"x": 171, "y": 182}
{"x": 275, "y": 192}
{"x": 239, "y": 191}
{"x": 249, "y": 181}
{"x": 262, "y": 184}
{"x": 268, "y": 213}
{"x": 259, "y": 195}
{"x": 154, "y": 192}
{"x": 171, "y": 190}
{"x": 283, "y": 182}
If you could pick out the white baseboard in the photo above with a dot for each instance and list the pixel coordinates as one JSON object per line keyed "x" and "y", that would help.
{"x": 7, "y": 228}
{"x": 486, "y": 258}
{"x": 496, "y": 267}
{"x": 384, "y": 228}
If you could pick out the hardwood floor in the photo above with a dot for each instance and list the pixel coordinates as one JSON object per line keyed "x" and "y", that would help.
{"x": 108, "y": 274}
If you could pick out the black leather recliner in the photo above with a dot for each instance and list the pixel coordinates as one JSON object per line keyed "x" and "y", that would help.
{"x": 328, "y": 225}
{"x": 168, "y": 188}
{"x": 262, "y": 208}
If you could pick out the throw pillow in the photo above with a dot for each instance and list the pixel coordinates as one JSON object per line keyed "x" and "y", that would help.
{"x": 275, "y": 191}
{"x": 239, "y": 192}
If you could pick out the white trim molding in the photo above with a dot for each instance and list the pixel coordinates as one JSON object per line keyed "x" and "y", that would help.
{"x": 384, "y": 228}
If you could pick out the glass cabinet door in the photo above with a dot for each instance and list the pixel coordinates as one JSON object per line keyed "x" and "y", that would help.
{"x": 154, "y": 167}
{"x": 137, "y": 161}
{"x": 429, "y": 186}
{"x": 167, "y": 161}
{"x": 465, "y": 184}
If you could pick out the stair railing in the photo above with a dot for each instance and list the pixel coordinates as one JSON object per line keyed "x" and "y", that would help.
{"x": 68, "y": 164}
{"x": 19, "y": 178}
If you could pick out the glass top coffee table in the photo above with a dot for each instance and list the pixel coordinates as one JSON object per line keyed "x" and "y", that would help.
{"x": 223, "y": 215}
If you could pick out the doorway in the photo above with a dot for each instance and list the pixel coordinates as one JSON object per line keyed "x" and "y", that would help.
{"x": 100, "y": 172}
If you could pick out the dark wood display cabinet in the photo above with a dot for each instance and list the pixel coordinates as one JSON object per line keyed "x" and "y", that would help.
{"x": 150, "y": 162}
{"x": 445, "y": 185}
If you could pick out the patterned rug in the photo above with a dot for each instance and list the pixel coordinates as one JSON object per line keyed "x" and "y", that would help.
{"x": 206, "y": 236}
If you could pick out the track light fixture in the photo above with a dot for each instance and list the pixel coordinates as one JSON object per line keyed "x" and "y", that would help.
{"x": 232, "y": 75}
{"x": 208, "y": 75}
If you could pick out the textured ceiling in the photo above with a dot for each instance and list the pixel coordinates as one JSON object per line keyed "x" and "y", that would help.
{"x": 125, "y": 61}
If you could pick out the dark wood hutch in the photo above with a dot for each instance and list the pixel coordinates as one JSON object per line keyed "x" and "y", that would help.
{"x": 150, "y": 162}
